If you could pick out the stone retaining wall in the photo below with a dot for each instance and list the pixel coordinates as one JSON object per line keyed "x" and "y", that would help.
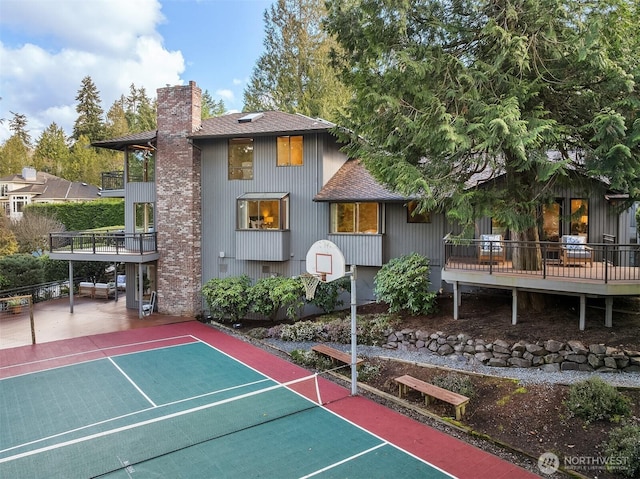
{"x": 548, "y": 355}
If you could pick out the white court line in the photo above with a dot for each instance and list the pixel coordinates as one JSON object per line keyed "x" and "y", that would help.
{"x": 144, "y": 395}
{"x": 142, "y": 423}
{"x": 97, "y": 350}
{"x": 345, "y": 460}
{"x": 70, "y": 431}
{"x": 332, "y": 412}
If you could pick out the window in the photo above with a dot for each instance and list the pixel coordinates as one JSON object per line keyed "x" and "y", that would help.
{"x": 413, "y": 216}
{"x": 143, "y": 213}
{"x": 552, "y": 221}
{"x": 579, "y": 217}
{"x": 263, "y": 211}
{"x": 355, "y": 218}
{"x": 18, "y": 203}
{"x": 289, "y": 151}
{"x": 241, "y": 159}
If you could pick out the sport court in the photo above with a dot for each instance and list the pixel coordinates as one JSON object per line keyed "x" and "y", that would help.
{"x": 154, "y": 403}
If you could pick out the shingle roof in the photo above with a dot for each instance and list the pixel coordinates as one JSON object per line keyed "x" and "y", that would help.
{"x": 265, "y": 123}
{"x": 142, "y": 138}
{"x": 353, "y": 182}
{"x": 50, "y": 187}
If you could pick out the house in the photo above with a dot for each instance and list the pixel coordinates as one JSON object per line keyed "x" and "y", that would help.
{"x": 17, "y": 191}
{"x": 249, "y": 193}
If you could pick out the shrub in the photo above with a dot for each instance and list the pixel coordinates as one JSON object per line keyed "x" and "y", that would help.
{"x": 261, "y": 297}
{"x": 21, "y": 270}
{"x": 289, "y": 294}
{"x": 457, "y": 383}
{"x": 368, "y": 371}
{"x": 594, "y": 399}
{"x": 623, "y": 450}
{"x": 301, "y": 331}
{"x": 227, "y": 298}
{"x": 403, "y": 283}
{"x": 327, "y": 294}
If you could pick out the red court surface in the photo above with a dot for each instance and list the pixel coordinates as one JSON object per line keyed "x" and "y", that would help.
{"x": 450, "y": 454}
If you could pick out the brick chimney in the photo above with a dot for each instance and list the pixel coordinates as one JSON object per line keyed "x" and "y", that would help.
{"x": 178, "y": 201}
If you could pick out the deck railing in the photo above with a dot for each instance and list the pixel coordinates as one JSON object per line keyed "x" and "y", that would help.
{"x": 606, "y": 262}
{"x": 108, "y": 243}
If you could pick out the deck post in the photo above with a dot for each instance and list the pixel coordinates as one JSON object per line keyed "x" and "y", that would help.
{"x": 608, "y": 312}
{"x": 456, "y": 299}
{"x": 583, "y": 307}
{"x": 514, "y": 306}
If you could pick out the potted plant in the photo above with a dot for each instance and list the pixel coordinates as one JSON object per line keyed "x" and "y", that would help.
{"x": 15, "y": 305}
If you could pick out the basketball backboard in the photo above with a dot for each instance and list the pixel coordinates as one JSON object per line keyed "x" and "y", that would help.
{"x": 325, "y": 260}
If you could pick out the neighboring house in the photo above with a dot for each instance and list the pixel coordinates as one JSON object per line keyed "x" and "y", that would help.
{"x": 250, "y": 193}
{"x": 18, "y": 191}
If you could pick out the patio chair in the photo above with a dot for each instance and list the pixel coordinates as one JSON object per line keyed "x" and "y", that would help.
{"x": 149, "y": 306}
{"x": 574, "y": 250}
{"x": 491, "y": 249}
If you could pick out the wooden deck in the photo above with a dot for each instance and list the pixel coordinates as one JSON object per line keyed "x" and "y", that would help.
{"x": 615, "y": 271}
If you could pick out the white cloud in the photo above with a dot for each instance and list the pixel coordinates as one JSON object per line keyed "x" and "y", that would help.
{"x": 115, "y": 42}
{"x": 225, "y": 94}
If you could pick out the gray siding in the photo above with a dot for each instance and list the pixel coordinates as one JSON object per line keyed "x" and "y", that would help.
{"x": 308, "y": 221}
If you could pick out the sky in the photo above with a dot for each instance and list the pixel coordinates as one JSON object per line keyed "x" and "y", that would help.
{"x": 48, "y": 46}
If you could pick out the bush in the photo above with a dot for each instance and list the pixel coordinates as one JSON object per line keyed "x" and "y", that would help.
{"x": 368, "y": 371}
{"x": 227, "y": 298}
{"x": 262, "y": 298}
{"x": 21, "y": 270}
{"x": 327, "y": 294}
{"x": 594, "y": 399}
{"x": 301, "y": 331}
{"x": 403, "y": 283}
{"x": 457, "y": 383}
{"x": 623, "y": 450}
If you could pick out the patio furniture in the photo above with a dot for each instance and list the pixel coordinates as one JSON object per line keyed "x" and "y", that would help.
{"x": 121, "y": 282}
{"x": 491, "y": 249}
{"x": 104, "y": 290}
{"x": 149, "y": 306}
{"x": 574, "y": 250}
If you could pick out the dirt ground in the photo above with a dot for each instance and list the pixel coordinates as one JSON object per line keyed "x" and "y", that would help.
{"x": 532, "y": 419}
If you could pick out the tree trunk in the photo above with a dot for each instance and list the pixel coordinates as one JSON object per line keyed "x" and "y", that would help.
{"x": 527, "y": 256}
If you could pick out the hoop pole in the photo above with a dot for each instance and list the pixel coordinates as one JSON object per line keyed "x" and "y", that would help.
{"x": 354, "y": 338}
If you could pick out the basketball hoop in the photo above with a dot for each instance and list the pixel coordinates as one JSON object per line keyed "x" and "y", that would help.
{"x": 310, "y": 283}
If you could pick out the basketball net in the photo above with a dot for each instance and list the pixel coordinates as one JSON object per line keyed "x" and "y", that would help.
{"x": 310, "y": 283}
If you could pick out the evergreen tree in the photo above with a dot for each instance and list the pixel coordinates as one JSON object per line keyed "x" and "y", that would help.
{"x": 116, "y": 124}
{"x": 448, "y": 89}
{"x": 16, "y": 152}
{"x": 295, "y": 72}
{"x": 84, "y": 164}
{"x": 52, "y": 151}
{"x": 211, "y": 107}
{"x": 89, "y": 122}
{"x": 140, "y": 110}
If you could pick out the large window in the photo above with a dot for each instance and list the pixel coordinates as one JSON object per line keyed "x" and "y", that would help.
{"x": 355, "y": 218}
{"x": 144, "y": 220}
{"x": 263, "y": 211}
{"x": 579, "y": 217}
{"x": 141, "y": 165}
{"x": 18, "y": 203}
{"x": 289, "y": 151}
{"x": 552, "y": 221}
{"x": 241, "y": 159}
{"x": 413, "y": 216}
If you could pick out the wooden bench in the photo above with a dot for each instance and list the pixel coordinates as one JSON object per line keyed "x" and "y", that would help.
{"x": 431, "y": 391}
{"x": 335, "y": 355}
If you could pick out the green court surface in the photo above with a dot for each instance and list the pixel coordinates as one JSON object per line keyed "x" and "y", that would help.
{"x": 182, "y": 411}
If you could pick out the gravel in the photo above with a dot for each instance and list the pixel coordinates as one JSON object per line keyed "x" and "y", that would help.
{"x": 524, "y": 375}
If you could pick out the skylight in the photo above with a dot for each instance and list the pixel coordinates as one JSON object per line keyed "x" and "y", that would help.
{"x": 250, "y": 117}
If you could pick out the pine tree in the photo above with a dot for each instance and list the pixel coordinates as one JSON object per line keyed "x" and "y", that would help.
{"x": 211, "y": 107}
{"x": 90, "y": 114}
{"x": 52, "y": 150}
{"x": 294, "y": 74}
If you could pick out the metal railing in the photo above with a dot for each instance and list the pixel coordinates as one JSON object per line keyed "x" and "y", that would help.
{"x": 41, "y": 292}
{"x": 108, "y": 242}
{"x": 605, "y": 262}
{"x": 115, "y": 180}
